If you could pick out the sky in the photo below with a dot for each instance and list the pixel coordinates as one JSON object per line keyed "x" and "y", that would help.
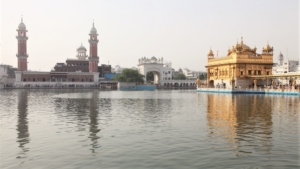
{"x": 180, "y": 31}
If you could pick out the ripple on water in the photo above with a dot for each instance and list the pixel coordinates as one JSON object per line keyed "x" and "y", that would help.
{"x": 147, "y": 129}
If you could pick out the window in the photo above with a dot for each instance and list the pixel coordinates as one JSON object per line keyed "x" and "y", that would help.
{"x": 241, "y": 73}
{"x": 259, "y": 72}
{"x": 249, "y": 72}
{"x": 267, "y": 72}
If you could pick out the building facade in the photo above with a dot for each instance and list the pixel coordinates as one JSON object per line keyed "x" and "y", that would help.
{"x": 238, "y": 66}
{"x": 75, "y": 70}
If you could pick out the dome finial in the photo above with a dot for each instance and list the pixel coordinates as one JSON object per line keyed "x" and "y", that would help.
{"x": 241, "y": 39}
{"x": 93, "y": 22}
{"x": 22, "y": 18}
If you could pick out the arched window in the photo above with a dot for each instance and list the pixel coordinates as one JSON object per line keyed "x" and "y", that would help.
{"x": 24, "y": 80}
{"x": 44, "y": 79}
{"x": 73, "y": 79}
{"x": 33, "y": 79}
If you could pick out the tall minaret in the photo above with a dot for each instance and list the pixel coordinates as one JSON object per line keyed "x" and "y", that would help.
{"x": 22, "y": 47}
{"x": 93, "y": 58}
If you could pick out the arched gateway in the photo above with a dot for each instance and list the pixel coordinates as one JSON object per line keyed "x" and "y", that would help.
{"x": 160, "y": 70}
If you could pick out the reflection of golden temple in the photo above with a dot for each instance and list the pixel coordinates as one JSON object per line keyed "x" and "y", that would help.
{"x": 240, "y": 63}
{"x": 240, "y": 122}
{"x": 198, "y": 81}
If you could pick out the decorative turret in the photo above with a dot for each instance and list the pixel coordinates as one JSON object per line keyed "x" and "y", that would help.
{"x": 268, "y": 49}
{"x": 81, "y": 52}
{"x": 210, "y": 54}
{"x": 93, "y": 58}
{"x": 22, "y": 47}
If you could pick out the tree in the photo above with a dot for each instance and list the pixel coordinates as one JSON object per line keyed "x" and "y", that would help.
{"x": 203, "y": 76}
{"x": 129, "y": 75}
{"x": 180, "y": 76}
{"x": 150, "y": 77}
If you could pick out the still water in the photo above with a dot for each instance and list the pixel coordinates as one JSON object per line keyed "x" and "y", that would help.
{"x": 147, "y": 129}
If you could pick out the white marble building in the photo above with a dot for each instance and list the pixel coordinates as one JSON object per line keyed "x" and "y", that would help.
{"x": 191, "y": 74}
{"x": 162, "y": 70}
{"x": 285, "y": 66}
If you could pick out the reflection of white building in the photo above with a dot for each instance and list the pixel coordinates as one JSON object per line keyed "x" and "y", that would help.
{"x": 191, "y": 74}
{"x": 285, "y": 66}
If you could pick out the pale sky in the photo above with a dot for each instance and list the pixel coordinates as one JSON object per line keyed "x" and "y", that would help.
{"x": 180, "y": 31}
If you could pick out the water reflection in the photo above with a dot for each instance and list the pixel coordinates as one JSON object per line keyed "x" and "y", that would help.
{"x": 93, "y": 124}
{"x": 83, "y": 113}
{"x": 22, "y": 125}
{"x": 245, "y": 121}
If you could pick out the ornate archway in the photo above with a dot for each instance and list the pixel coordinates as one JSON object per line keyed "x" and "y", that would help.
{"x": 156, "y": 75}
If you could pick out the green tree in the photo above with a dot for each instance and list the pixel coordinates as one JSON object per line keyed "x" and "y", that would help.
{"x": 150, "y": 77}
{"x": 129, "y": 75}
{"x": 203, "y": 76}
{"x": 180, "y": 76}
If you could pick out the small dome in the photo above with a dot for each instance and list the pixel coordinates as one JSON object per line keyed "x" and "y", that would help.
{"x": 245, "y": 47}
{"x": 280, "y": 54}
{"x": 210, "y": 52}
{"x": 268, "y": 47}
{"x": 22, "y": 25}
{"x": 93, "y": 30}
{"x": 153, "y": 58}
{"x": 81, "y": 48}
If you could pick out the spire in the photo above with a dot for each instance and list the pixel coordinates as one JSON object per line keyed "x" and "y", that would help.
{"x": 93, "y": 23}
{"x": 22, "y": 18}
{"x": 241, "y": 40}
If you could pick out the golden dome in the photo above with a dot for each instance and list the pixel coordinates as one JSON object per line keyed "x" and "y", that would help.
{"x": 210, "y": 53}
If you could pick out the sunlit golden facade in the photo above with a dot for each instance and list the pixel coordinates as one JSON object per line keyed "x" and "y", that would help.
{"x": 240, "y": 63}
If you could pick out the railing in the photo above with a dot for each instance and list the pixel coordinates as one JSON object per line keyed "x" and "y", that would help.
{"x": 294, "y": 89}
